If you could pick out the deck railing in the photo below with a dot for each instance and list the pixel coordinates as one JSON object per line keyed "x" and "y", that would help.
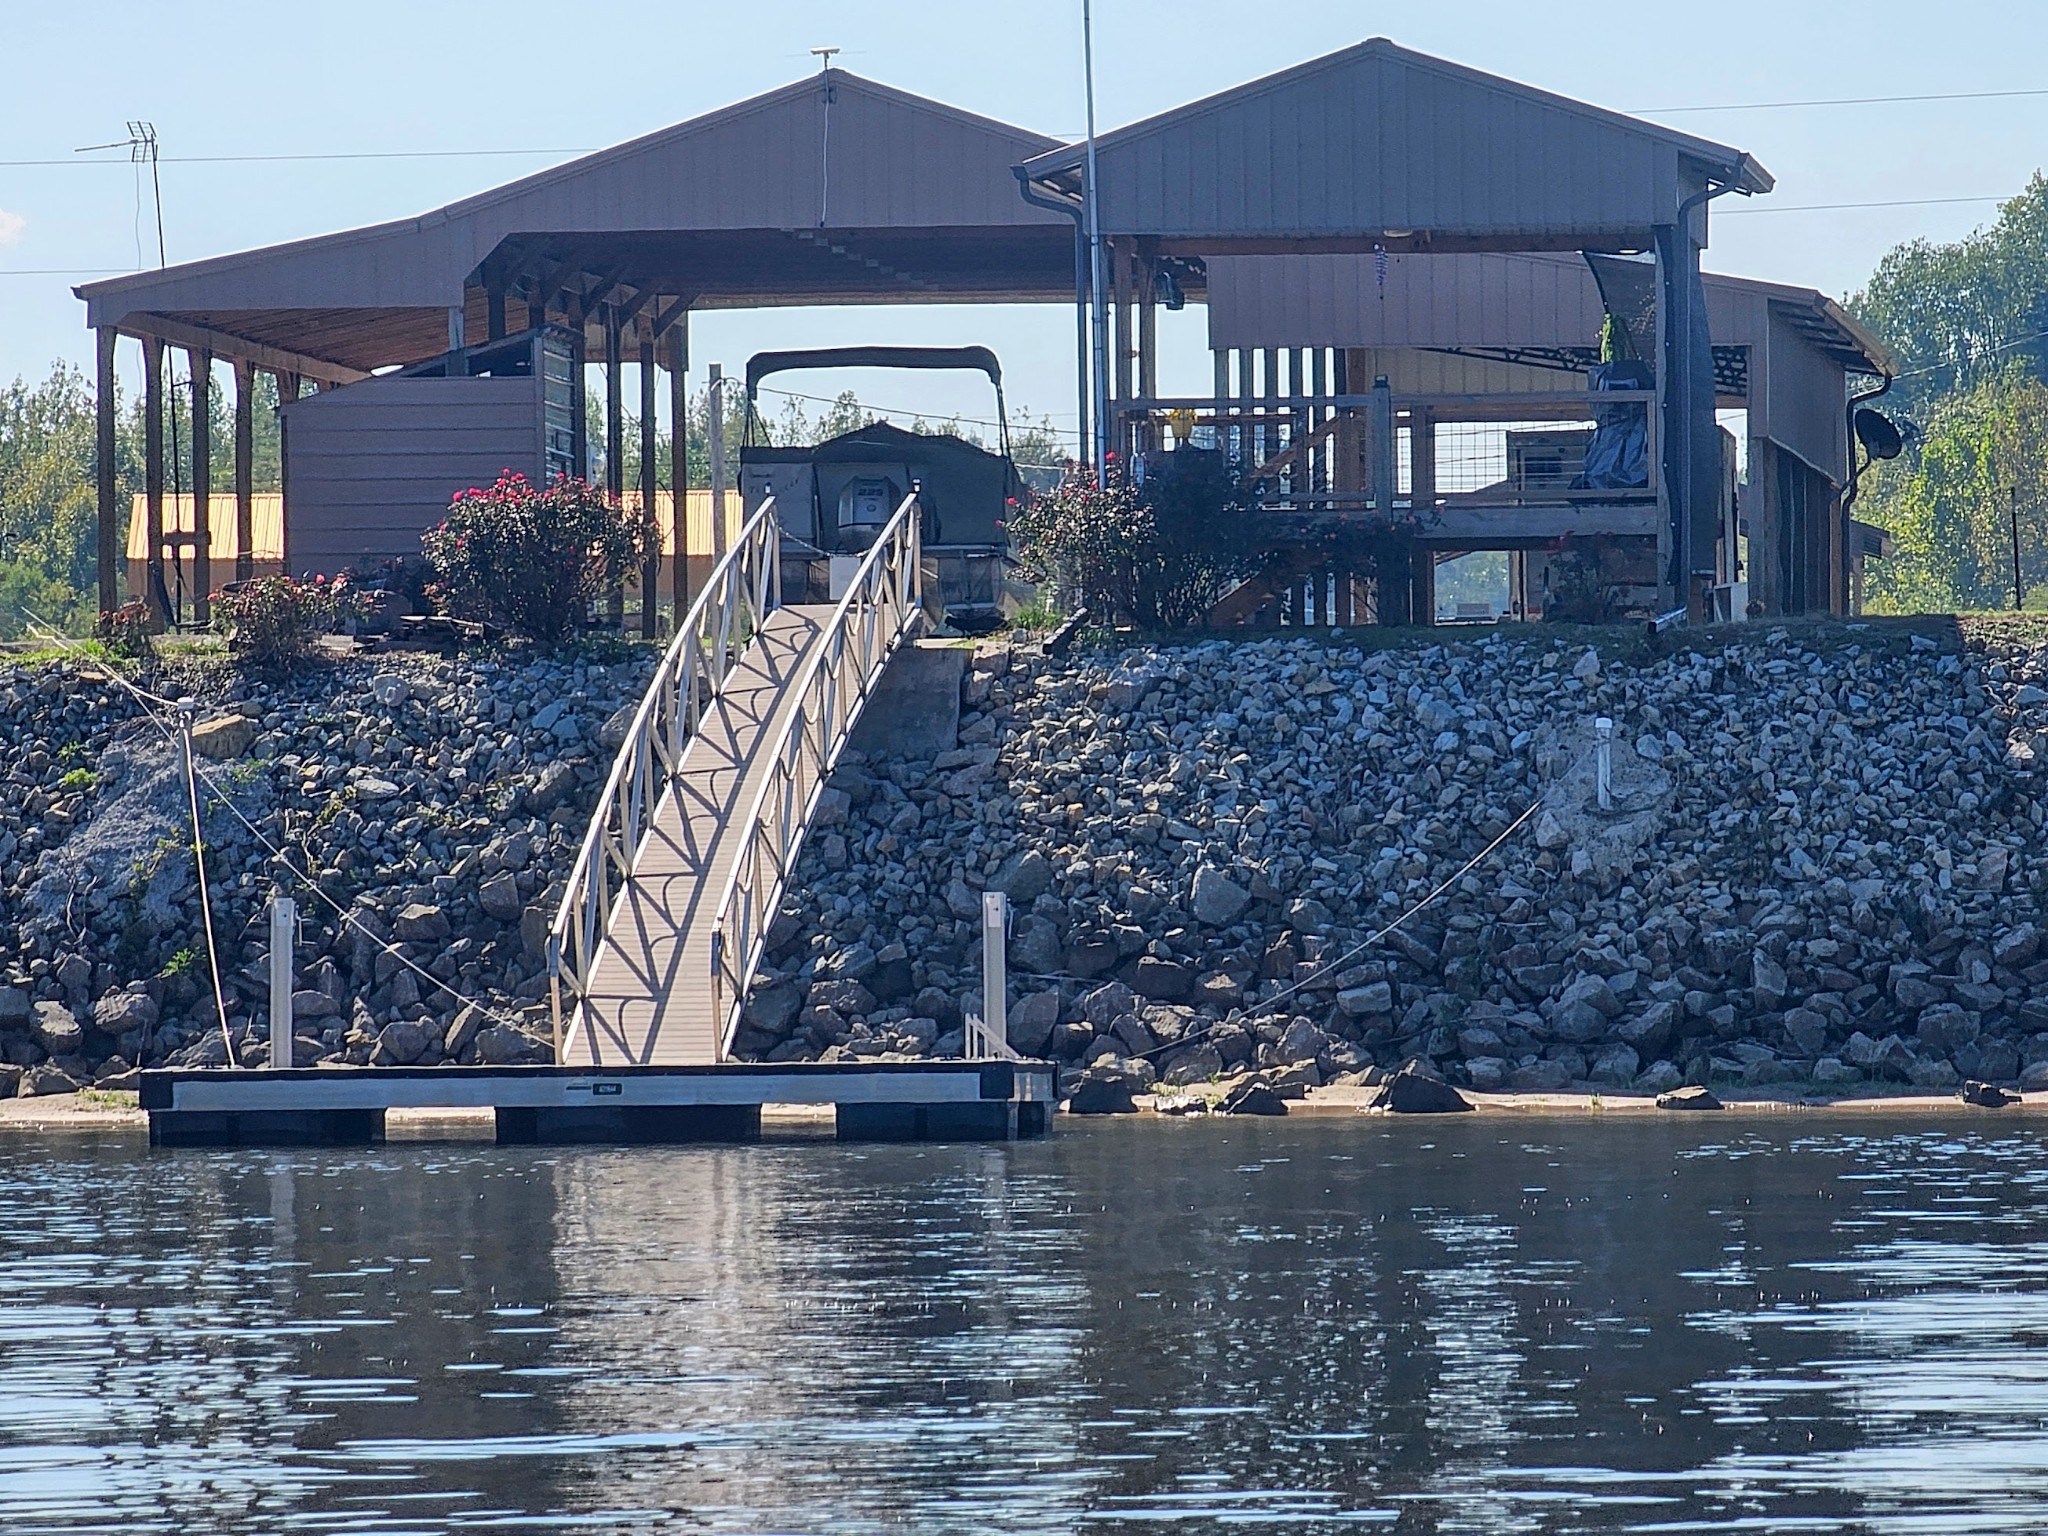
{"x": 743, "y": 589}
{"x": 881, "y": 606}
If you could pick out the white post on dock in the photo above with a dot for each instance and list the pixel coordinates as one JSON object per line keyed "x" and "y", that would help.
{"x": 995, "y": 912}
{"x": 1603, "y": 759}
{"x": 284, "y": 922}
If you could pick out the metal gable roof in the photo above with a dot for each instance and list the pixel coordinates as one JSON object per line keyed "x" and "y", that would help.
{"x": 895, "y": 161}
{"x": 1377, "y": 138}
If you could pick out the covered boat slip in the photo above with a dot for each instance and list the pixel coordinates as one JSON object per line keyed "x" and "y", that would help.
{"x": 1374, "y": 214}
{"x": 872, "y": 1101}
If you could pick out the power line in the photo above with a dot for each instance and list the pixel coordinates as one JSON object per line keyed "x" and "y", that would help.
{"x": 359, "y": 154}
{"x": 1840, "y": 101}
{"x": 1896, "y": 202}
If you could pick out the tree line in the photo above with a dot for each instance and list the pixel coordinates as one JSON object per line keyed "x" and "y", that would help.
{"x": 1968, "y": 321}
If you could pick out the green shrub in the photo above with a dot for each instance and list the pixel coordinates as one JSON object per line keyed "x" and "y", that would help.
{"x": 533, "y": 560}
{"x": 1157, "y": 557}
{"x": 273, "y": 621}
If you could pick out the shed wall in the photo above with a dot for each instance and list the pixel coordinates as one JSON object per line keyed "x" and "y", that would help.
{"x": 370, "y": 467}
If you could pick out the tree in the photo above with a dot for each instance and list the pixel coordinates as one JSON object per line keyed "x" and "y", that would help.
{"x": 1962, "y": 312}
{"x": 1948, "y": 506}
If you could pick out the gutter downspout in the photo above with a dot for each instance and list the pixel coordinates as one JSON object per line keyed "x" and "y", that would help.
{"x": 1856, "y": 403}
{"x": 1083, "y": 394}
{"x": 1679, "y": 572}
{"x": 1091, "y": 199}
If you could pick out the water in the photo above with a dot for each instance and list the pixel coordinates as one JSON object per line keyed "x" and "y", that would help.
{"x": 1481, "y": 1325}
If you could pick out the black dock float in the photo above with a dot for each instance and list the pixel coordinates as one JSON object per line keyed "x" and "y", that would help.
{"x": 618, "y": 1106}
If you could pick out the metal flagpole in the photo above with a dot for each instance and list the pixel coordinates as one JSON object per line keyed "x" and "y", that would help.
{"x": 1100, "y": 318}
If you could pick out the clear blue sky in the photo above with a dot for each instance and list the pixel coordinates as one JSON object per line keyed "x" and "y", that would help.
{"x": 230, "y": 78}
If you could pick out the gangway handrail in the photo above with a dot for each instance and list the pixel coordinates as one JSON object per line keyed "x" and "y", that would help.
{"x": 744, "y": 587}
{"x": 882, "y": 604}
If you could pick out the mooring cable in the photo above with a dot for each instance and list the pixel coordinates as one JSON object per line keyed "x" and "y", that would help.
{"x": 143, "y": 697}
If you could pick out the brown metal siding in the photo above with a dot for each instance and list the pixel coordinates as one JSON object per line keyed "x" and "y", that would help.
{"x": 371, "y": 466}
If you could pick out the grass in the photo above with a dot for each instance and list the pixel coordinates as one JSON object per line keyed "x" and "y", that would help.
{"x": 109, "y": 1098}
{"x": 78, "y": 781}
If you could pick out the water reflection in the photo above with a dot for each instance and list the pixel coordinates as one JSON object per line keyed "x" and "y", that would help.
{"x": 1545, "y": 1327}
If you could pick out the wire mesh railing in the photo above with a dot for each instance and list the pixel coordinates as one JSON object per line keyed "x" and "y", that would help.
{"x": 882, "y": 605}
{"x": 742, "y": 590}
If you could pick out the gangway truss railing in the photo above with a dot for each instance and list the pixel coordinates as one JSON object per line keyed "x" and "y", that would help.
{"x": 744, "y": 587}
{"x": 882, "y": 605}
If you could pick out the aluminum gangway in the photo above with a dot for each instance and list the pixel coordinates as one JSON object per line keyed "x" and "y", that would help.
{"x": 702, "y": 817}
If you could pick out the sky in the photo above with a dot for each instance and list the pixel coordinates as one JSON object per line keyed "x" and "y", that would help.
{"x": 394, "y": 78}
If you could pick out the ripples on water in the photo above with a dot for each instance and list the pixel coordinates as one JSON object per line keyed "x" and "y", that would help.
{"x": 1312, "y": 1325}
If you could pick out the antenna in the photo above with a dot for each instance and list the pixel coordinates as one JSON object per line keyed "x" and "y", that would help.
{"x": 142, "y": 150}
{"x": 824, "y": 58}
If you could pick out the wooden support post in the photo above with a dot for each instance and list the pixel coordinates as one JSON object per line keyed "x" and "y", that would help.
{"x": 1220, "y": 360}
{"x": 1146, "y": 281}
{"x": 1269, "y": 432}
{"x": 679, "y": 464}
{"x": 202, "y": 485}
{"x": 650, "y": 524}
{"x": 1422, "y": 461}
{"x": 156, "y": 594}
{"x": 458, "y": 320}
{"x": 714, "y": 432}
{"x": 245, "y": 470}
{"x": 579, "y": 402}
{"x": 614, "y": 445}
{"x": 1126, "y": 344}
{"x": 288, "y": 385}
{"x": 111, "y": 527}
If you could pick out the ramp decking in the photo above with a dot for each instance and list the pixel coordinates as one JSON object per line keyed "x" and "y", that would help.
{"x": 650, "y": 999}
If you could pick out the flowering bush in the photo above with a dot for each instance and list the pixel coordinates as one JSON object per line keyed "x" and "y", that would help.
{"x": 124, "y": 631}
{"x": 533, "y": 559}
{"x": 273, "y": 621}
{"x": 1158, "y": 557}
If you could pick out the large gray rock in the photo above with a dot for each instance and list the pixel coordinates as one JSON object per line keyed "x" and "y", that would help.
{"x": 1375, "y": 997}
{"x": 119, "y": 1013}
{"x": 1025, "y": 878}
{"x": 56, "y": 1030}
{"x": 1031, "y": 1020}
{"x": 499, "y": 897}
{"x": 16, "y": 1008}
{"x": 1216, "y": 899}
{"x": 503, "y": 1046}
{"x": 421, "y": 922}
{"x": 400, "y": 1043}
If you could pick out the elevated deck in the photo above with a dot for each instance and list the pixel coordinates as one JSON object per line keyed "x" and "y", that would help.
{"x": 873, "y": 1101}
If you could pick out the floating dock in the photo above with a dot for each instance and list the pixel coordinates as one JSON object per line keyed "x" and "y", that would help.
{"x": 338, "y": 1106}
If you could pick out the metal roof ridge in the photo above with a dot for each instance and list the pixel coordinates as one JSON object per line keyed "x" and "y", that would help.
{"x": 477, "y": 202}
{"x": 1736, "y": 161}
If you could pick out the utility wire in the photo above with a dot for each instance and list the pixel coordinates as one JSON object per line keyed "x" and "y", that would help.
{"x": 1841, "y": 101}
{"x": 220, "y": 1001}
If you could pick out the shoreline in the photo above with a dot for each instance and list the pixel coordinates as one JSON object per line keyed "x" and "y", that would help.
{"x": 59, "y": 1116}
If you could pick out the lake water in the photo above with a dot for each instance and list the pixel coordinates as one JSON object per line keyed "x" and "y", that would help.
{"x": 1819, "y": 1323}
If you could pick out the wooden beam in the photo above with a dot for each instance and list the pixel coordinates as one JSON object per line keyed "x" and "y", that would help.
{"x": 156, "y": 594}
{"x": 650, "y": 565}
{"x": 288, "y": 387}
{"x": 110, "y": 525}
{"x": 245, "y": 470}
{"x": 615, "y": 444}
{"x": 178, "y": 333}
{"x": 201, "y": 365}
{"x": 679, "y": 469}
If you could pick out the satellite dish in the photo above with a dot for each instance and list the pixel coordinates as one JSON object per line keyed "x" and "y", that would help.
{"x": 1879, "y": 437}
